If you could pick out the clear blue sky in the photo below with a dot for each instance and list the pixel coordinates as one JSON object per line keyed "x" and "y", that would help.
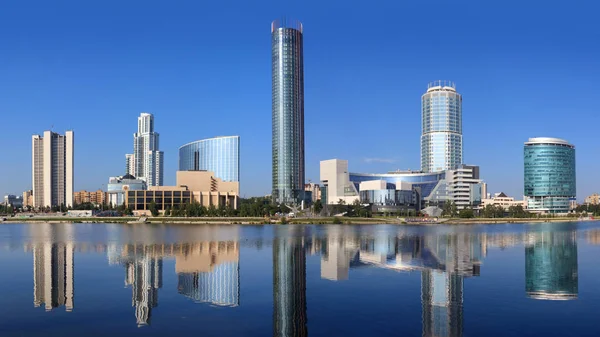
{"x": 203, "y": 68}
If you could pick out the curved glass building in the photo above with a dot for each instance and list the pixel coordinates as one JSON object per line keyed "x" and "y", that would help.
{"x": 425, "y": 181}
{"x": 549, "y": 177}
{"x": 288, "y": 111}
{"x": 441, "y": 137}
{"x": 220, "y": 155}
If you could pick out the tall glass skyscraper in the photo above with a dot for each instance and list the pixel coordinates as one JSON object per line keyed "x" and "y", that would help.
{"x": 441, "y": 137}
{"x": 549, "y": 177}
{"x": 288, "y": 111}
{"x": 220, "y": 155}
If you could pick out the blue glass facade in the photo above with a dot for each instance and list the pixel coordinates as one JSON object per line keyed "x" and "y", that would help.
{"x": 287, "y": 111}
{"x": 441, "y": 138}
{"x": 549, "y": 175}
{"x": 220, "y": 155}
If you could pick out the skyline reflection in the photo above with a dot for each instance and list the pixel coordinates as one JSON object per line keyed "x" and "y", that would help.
{"x": 207, "y": 265}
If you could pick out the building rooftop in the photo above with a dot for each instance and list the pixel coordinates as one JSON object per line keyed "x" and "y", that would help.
{"x": 547, "y": 140}
{"x": 206, "y": 139}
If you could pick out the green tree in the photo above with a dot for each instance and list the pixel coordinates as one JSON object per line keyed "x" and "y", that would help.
{"x": 152, "y": 208}
{"x": 318, "y": 206}
{"x": 168, "y": 211}
{"x": 466, "y": 213}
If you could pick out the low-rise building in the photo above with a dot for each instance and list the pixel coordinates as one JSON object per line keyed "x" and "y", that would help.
{"x": 13, "y": 200}
{"x": 593, "y": 199}
{"x": 81, "y": 213}
{"x": 83, "y": 197}
{"x": 504, "y": 201}
{"x": 118, "y": 186}
{"x": 192, "y": 187}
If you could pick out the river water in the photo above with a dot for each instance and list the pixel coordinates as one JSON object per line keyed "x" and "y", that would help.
{"x": 330, "y": 280}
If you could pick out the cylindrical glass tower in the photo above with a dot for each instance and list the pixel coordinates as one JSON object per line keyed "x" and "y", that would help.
{"x": 549, "y": 177}
{"x": 441, "y": 137}
{"x": 288, "y": 111}
{"x": 220, "y": 155}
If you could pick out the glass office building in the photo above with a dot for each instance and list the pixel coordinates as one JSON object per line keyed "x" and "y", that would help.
{"x": 220, "y": 155}
{"x": 288, "y": 111}
{"x": 441, "y": 138}
{"x": 549, "y": 175}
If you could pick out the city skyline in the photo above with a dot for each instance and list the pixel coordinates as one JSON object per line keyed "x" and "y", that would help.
{"x": 339, "y": 94}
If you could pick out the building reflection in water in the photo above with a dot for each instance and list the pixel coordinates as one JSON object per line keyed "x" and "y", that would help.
{"x": 143, "y": 273}
{"x": 444, "y": 260}
{"x": 206, "y": 271}
{"x": 52, "y": 248}
{"x": 289, "y": 282}
{"x": 551, "y": 264}
{"x": 209, "y": 272}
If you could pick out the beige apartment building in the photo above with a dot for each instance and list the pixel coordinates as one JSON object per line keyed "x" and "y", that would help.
{"x": 52, "y": 169}
{"x": 593, "y": 199}
{"x": 192, "y": 186}
{"x": 97, "y": 198}
{"x": 28, "y": 198}
{"x": 501, "y": 199}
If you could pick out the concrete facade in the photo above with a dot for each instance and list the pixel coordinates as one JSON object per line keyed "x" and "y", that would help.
{"x": 52, "y": 169}
{"x": 192, "y": 187}
{"x": 98, "y": 197}
{"x": 336, "y": 180}
{"x": 501, "y": 199}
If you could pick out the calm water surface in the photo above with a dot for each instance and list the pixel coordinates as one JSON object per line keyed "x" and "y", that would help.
{"x": 499, "y": 280}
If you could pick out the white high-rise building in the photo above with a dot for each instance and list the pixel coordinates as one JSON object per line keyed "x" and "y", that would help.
{"x": 130, "y": 164}
{"x": 146, "y": 162}
{"x": 52, "y": 169}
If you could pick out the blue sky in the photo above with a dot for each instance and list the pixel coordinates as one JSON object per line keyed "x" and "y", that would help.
{"x": 524, "y": 68}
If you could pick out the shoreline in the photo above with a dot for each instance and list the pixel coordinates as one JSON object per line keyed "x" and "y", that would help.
{"x": 299, "y": 221}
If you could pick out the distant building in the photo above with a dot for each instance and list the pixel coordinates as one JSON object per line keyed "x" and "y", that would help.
{"x": 549, "y": 175}
{"x": 314, "y": 189}
{"x": 147, "y": 159}
{"x": 287, "y": 64}
{"x": 130, "y": 164}
{"x": 593, "y": 199}
{"x": 192, "y": 186}
{"x": 118, "y": 186}
{"x": 13, "y": 200}
{"x": 28, "y": 198}
{"x": 220, "y": 155}
{"x": 96, "y": 198}
{"x": 504, "y": 201}
{"x": 441, "y": 139}
{"x": 52, "y": 169}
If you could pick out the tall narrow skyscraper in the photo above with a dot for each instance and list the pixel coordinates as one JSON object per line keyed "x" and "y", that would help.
{"x": 288, "y": 111}
{"x": 146, "y": 162}
{"x": 52, "y": 169}
{"x": 441, "y": 138}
